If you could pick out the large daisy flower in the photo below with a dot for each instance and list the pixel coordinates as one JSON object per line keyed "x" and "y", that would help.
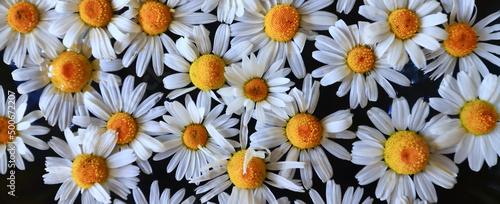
{"x": 16, "y": 130}
{"x": 156, "y": 198}
{"x": 358, "y": 65}
{"x": 125, "y": 113}
{"x": 280, "y": 30}
{"x": 477, "y": 105}
{"x": 334, "y": 195}
{"x": 466, "y": 41}
{"x": 302, "y": 135}
{"x": 401, "y": 27}
{"x": 24, "y": 27}
{"x": 90, "y": 168}
{"x": 155, "y": 18}
{"x": 410, "y": 160}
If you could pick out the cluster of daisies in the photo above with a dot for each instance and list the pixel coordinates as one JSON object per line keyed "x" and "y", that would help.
{"x": 250, "y": 129}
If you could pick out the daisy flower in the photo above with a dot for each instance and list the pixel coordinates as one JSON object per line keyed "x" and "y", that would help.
{"x": 65, "y": 78}
{"x": 280, "y": 30}
{"x": 227, "y": 9}
{"x": 410, "y": 160}
{"x": 190, "y": 128}
{"x": 301, "y": 135}
{"x": 92, "y": 23}
{"x": 358, "y": 65}
{"x": 200, "y": 65}
{"x": 334, "y": 195}
{"x": 345, "y": 6}
{"x": 155, "y": 18}
{"x": 224, "y": 198}
{"x": 16, "y": 130}
{"x": 475, "y": 104}
{"x": 256, "y": 85}
{"x": 24, "y": 27}
{"x": 401, "y": 27}
{"x": 125, "y": 113}
{"x": 466, "y": 41}
{"x": 156, "y": 198}
{"x": 90, "y": 168}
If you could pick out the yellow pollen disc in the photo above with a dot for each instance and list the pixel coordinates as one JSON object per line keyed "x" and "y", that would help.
{"x": 194, "y": 135}
{"x": 154, "y": 17}
{"x": 5, "y": 137}
{"x": 282, "y": 22}
{"x": 70, "y": 71}
{"x": 207, "y": 72}
{"x": 23, "y": 17}
{"x": 478, "y": 117}
{"x": 361, "y": 59}
{"x": 406, "y": 152}
{"x": 404, "y": 23}
{"x": 89, "y": 169}
{"x": 462, "y": 40}
{"x": 255, "y": 175}
{"x": 304, "y": 131}
{"x": 256, "y": 89}
{"x": 95, "y": 13}
{"x": 125, "y": 125}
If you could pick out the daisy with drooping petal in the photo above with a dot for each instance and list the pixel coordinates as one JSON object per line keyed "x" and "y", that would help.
{"x": 90, "y": 168}
{"x": 156, "y": 198}
{"x": 402, "y": 26}
{"x": 24, "y": 28}
{"x": 410, "y": 160}
{"x": 280, "y": 30}
{"x": 466, "y": 42}
{"x": 358, "y": 65}
{"x": 334, "y": 195}
{"x": 301, "y": 135}
{"x": 155, "y": 18}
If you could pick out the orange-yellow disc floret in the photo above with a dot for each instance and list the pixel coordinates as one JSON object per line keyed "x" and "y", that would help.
{"x": 125, "y": 125}
{"x": 461, "y": 41}
{"x": 403, "y": 23}
{"x": 207, "y": 72}
{"x": 478, "y": 117}
{"x": 95, "y": 13}
{"x": 282, "y": 22}
{"x": 361, "y": 59}
{"x": 406, "y": 152}
{"x": 255, "y": 172}
{"x": 256, "y": 89}
{"x": 70, "y": 71}
{"x": 304, "y": 131}
{"x": 154, "y": 17}
{"x": 89, "y": 169}
{"x": 195, "y": 135}
{"x": 23, "y": 17}
{"x": 7, "y": 133}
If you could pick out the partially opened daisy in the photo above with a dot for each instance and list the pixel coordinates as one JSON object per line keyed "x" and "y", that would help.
{"x": 401, "y": 27}
{"x": 358, "y": 65}
{"x": 156, "y": 198}
{"x": 302, "y": 136}
{"x": 280, "y": 30}
{"x": 466, "y": 41}
{"x": 155, "y": 18}
{"x": 405, "y": 152}
{"x": 334, "y": 195}
{"x": 90, "y": 168}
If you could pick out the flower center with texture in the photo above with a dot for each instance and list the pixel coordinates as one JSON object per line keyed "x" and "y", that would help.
{"x": 95, "y": 13}
{"x": 194, "y": 135}
{"x": 256, "y": 89}
{"x": 70, "y": 71}
{"x": 255, "y": 172}
{"x": 478, "y": 117}
{"x": 125, "y": 125}
{"x": 23, "y": 17}
{"x": 154, "y": 17}
{"x": 361, "y": 59}
{"x": 406, "y": 152}
{"x": 207, "y": 72}
{"x": 89, "y": 169}
{"x": 282, "y": 22}
{"x": 403, "y": 23}
{"x": 462, "y": 40}
{"x": 304, "y": 131}
{"x": 6, "y": 131}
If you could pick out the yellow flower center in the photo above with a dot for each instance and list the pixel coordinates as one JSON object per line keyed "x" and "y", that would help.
{"x": 478, "y": 117}
{"x": 89, "y": 169}
{"x": 70, "y": 71}
{"x": 5, "y": 137}
{"x": 282, "y": 22}
{"x": 23, "y": 17}
{"x": 95, "y": 13}
{"x": 361, "y": 59}
{"x": 256, "y": 89}
{"x": 304, "y": 131}
{"x": 125, "y": 125}
{"x": 194, "y": 135}
{"x": 154, "y": 17}
{"x": 404, "y": 23}
{"x": 255, "y": 174}
{"x": 462, "y": 40}
{"x": 207, "y": 72}
{"x": 406, "y": 152}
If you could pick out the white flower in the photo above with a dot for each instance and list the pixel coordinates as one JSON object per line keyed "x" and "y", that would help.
{"x": 227, "y": 9}
{"x": 345, "y": 6}
{"x": 156, "y": 198}
{"x": 334, "y": 195}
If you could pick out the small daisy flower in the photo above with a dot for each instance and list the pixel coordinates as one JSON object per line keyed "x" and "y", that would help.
{"x": 90, "y": 168}
{"x": 334, "y": 195}
{"x": 466, "y": 41}
{"x": 280, "y": 31}
{"x": 227, "y": 9}
{"x": 224, "y": 198}
{"x": 24, "y": 28}
{"x": 125, "y": 113}
{"x": 410, "y": 160}
{"x": 16, "y": 130}
{"x": 358, "y": 65}
{"x": 155, "y": 18}
{"x": 345, "y": 6}
{"x": 156, "y": 198}
{"x": 401, "y": 27}
{"x": 477, "y": 105}
{"x": 301, "y": 135}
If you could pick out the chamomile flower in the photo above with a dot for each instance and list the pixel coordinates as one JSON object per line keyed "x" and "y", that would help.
{"x": 334, "y": 195}
{"x": 227, "y": 9}
{"x": 280, "y": 30}
{"x": 16, "y": 131}
{"x": 24, "y": 27}
{"x": 90, "y": 168}
{"x": 358, "y": 65}
{"x": 410, "y": 160}
{"x": 345, "y": 6}
{"x": 155, "y": 18}
{"x": 401, "y": 27}
{"x": 156, "y": 198}
{"x": 466, "y": 42}
{"x": 302, "y": 136}
{"x": 125, "y": 113}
